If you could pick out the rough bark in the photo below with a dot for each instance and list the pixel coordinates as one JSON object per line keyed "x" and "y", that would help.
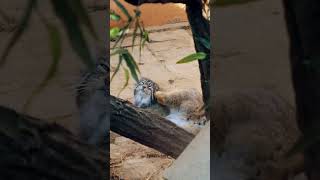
{"x": 303, "y": 19}
{"x": 147, "y": 128}
{"x": 33, "y": 149}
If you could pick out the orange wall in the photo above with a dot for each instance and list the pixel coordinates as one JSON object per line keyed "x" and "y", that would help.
{"x": 154, "y": 14}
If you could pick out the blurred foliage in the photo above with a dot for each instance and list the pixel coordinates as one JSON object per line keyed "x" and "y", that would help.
{"x": 74, "y": 17}
{"x": 119, "y": 34}
{"x": 199, "y": 55}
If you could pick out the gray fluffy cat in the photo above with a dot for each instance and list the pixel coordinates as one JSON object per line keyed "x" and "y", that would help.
{"x": 180, "y": 106}
{"x": 92, "y": 101}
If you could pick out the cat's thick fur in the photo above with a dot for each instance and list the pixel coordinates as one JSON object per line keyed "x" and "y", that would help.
{"x": 91, "y": 99}
{"x": 184, "y": 107}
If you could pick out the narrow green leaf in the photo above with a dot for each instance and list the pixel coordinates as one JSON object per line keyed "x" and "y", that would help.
{"x": 75, "y": 34}
{"x": 122, "y": 34}
{"x": 123, "y": 9}
{"x": 117, "y": 68}
{"x": 192, "y": 57}
{"x": 141, "y": 43}
{"x": 145, "y": 38}
{"x": 55, "y": 47}
{"x": 126, "y": 74}
{"x": 119, "y": 51}
{"x": 20, "y": 29}
{"x": 82, "y": 14}
{"x": 114, "y": 16}
{"x": 135, "y": 32}
{"x": 205, "y": 42}
{"x": 133, "y": 61}
{"x": 114, "y": 32}
{"x": 131, "y": 65}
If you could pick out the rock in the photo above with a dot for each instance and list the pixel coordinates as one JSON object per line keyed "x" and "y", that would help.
{"x": 194, "y": 162}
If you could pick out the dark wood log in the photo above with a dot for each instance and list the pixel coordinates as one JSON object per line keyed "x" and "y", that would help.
{"x": 33, "y": 149}
{"x": 200, "y": 28}
{"x": 147, "y": 128}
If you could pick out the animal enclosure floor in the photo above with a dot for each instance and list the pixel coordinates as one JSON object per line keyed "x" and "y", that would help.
{"x": 169, "y": 43}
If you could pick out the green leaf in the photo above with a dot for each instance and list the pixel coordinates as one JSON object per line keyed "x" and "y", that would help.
{"x": 83, "y": 16}
{"x": 131, "y": 65}
{"x": 114, "y": 32}
{"x": 119, "y": 51}
{"x": 114, "y": 16}
{"x": 20, "y": 29}
{"x": 117, "y": 68}
{"x": 192, "y": 57}
{"x": 133, "y": 61}
{"x": 75, "y": 34}
{"x": 122, "y": 34}
{"x": 126, "y": 73}
{"x": 55, "y": 47}
{"x": 135, "y": 32}
{"x": 205, "y": 42}
{"x": 145, "y": 38}
{"x": 123, "y": 9}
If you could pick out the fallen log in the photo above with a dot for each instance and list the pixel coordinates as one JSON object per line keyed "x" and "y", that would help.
{"x": 147, "y": 128}
{"x": 33, "y": 149}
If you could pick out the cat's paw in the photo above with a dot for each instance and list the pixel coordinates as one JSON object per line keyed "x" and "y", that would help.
{"x": 160, "y": 97}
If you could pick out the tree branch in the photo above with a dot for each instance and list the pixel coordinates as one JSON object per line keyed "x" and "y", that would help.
{"x": 147, "y": 128}
{"x": 33, "y": 149}
{"x": 200, "y": 28}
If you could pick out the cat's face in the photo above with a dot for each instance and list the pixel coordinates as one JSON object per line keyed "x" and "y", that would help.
{"x": 144, "y": 93}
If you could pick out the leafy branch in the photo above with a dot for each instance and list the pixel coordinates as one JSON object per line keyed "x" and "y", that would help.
{"x": 119, "y": 34}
